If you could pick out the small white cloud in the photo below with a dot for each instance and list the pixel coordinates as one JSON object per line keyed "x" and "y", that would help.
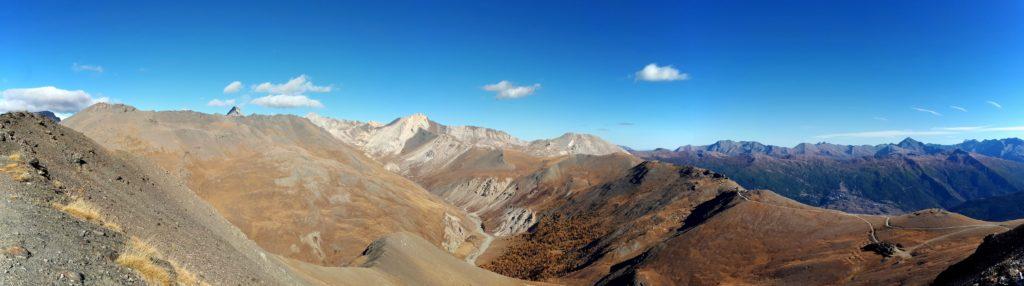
{"x": 995, "y": 104}
{"x": 879, "y": 118}
{"x": 506, "y": 90}
{"x": 221, "y": 103}
{"x": 295, "y": 86}
{"x": 233, "y": 87}
{"x": 286, "y": 101}
{"x": 652, "y": 72}
{"x": 933, "y": 112}
{"x": 958, "y": 108}
{"x": 290, "y": 94}
{"x": 89, "y": 68}
{"x": 46, "y": 98}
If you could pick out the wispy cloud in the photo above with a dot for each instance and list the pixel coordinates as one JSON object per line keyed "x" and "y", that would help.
{"x": 961, "y": 128}
{"x": 1007, "y": 128}
{"x": 506, "y": 90}
{"x": 933, "y": 112}
{"x": 879, "y": 118}
{"x": 958, "y": 108}
{"x": 233, "y": 87}
{"x": 653, "y": 72}
{"x": 884, "y": 134}
{"x": 626, "y": 123}
{"x": 995, "y": 104}
{"x": 88, "y": 68}
{"x": 932, "y": 132}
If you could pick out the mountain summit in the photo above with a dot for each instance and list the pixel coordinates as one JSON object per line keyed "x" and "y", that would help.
{"x": 235, "y": 111}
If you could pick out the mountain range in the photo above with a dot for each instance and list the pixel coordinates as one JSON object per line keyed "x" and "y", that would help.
{"x": 881, "y": 179}
{"x": 188, "y": 198}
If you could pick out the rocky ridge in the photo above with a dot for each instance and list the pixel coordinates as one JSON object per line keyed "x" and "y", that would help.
{"x": 415, "y": 145}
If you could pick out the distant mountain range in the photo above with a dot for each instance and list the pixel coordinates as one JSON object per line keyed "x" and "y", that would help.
{"x": 886, "y": 178}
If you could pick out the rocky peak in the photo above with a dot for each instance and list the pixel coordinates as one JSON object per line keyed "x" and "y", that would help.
{"x": 49, "y": 114}
{"x": 111, "y": 107}
{"x": 412, "y": 122}
{"x": 733, "y": 147}
{"x": 235, "y": 111}
{"x": 910, "y": 143}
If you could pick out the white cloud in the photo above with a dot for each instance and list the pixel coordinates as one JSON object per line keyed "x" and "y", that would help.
{"x": 996, "y": 104}
{"x": 233, "y": 87}
{"x": 78, "y": 68}
{"x": 958, "y": 108}
{"x": 506, "y": 90}
{"x": 295, "y": 86}
{"x": 46, "y": 98}
{"x": 933, "y": 112}
{"x": 652, "y": 72}
{"x": 879, "y": 118}
{"x": 286, "y": 101}
{"x": 221, "y": 103}
{"x": 290, "y": 94}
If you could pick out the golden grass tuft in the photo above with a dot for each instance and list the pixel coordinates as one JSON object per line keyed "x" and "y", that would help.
{"x": 186, "y": 277}
{"x": 138, "y": 255}
{"x": 142, "y": 257}
{"x": 86, "y": 211}
{"x": 16, "y": 168}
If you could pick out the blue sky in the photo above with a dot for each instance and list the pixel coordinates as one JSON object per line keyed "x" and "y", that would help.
{"x": 779, "y": 72}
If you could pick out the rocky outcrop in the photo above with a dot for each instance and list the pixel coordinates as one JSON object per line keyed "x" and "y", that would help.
{"x": 235, "y": 111}
{"x": 454, "y": 233}
{"x": 479, "y": 194}
{"x": 572, "y": 144}
{"x": 999, "y": 260}
{"x": 515, "y": 221}
{"x": 49, "y": 115}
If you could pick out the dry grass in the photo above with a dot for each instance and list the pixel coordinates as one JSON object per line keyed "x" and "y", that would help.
{"x": 185, "y": 277}
{"x": 86, "y": 211}
{"x": 139, "y": 256}
{"x": 142, "y": 257}
{"x": 16, "y": 168}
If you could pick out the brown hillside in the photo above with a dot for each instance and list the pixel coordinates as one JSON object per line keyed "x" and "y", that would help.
{"x": 286, "y": 183}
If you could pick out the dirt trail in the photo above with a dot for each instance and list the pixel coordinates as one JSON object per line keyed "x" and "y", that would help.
{"x": 889, "y": 225}
{"x": 488, "y": 238}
